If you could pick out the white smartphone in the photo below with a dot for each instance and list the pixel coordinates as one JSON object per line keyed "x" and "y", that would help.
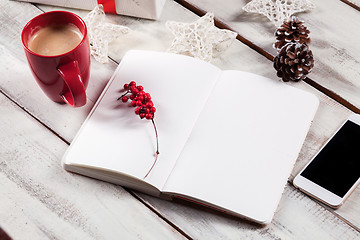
{"x": 334, "y": 172}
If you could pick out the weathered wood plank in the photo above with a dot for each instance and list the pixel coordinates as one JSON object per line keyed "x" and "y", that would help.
{"x": 285, "y": 225}
{"x": 193, "y": 221}
{"x": 39, "y": 200}
{"x": 16, "y": 72}
{"x": 246, "y": 60}
{"x": 334, "y": 41}
{"x": 4, "y": 235}
{"x": 353, "y": 3}
{"x": 298, "y": 217}
{"x": 328, "y": 119}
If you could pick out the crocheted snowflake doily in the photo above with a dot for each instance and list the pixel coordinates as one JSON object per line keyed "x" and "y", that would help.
{"x": 277, "y": 11}
{"x": 101, "y": 33}
{"x": 200, "y": 39}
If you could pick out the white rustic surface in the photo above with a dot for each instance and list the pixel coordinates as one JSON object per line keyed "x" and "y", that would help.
{"x": 334, "y": 39}
{"x": 47, "y": 202}
{"x": 356, "y": 2}
{"x": 39, "y": 200}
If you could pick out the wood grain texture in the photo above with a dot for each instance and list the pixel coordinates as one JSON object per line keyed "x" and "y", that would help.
{"x": 298, "y": 217}
{"x": 143, "y": 36}
{"x": 334, "y": 41}
{"x": 314, "y": 219}
{"x": 4, "y": 235}
{"x": 46, "y": 202}
{"x": 285, "y": 224}
{"x": 36, "y": 192}
{"x": 353, "y": 3}
{"x": 19, "y": 83}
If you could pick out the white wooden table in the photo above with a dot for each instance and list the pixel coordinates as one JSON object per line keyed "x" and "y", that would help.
{"x": 39, "y": 200}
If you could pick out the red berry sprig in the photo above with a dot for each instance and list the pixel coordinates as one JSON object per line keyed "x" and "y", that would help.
{"x": 140, "y": 99}
{"x": 144, "y": 108}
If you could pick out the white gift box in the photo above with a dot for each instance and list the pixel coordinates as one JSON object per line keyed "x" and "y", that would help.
{"x": 150, "y": 9}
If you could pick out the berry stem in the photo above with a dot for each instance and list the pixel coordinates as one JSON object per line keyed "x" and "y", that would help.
{"x": 123, "y": 94}
{"x": 157, "y": 148}
{"x": 157, "y": 138}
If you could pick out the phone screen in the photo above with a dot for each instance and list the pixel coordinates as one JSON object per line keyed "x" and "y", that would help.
{"x": 337, "y": 166}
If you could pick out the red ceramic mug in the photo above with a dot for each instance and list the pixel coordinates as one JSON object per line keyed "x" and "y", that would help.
{"x": 63, "y": 77}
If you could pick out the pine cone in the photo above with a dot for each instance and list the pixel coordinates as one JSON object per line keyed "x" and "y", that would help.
{"x": 294, "y": 62}
{"x": 291, "y": 31}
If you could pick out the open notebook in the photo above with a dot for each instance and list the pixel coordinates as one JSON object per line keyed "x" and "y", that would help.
{"x": 227, "y": 139}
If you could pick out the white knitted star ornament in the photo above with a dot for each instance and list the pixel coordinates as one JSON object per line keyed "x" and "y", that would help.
{"x": 199, "y": 39}
{"x": 278, "y": 11}
{"x": 101, "y": 33}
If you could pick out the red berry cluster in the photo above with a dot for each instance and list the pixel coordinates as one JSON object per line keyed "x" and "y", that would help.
{"x": 144, "y": 108}
{"x": 140, "y": 99}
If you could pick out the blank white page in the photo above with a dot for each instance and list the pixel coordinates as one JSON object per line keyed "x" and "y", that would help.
{"x": 244, "y": 145}
{"x": 114, "y": 138}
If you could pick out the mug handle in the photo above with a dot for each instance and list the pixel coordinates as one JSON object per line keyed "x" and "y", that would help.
{"x": 75, "y": 96}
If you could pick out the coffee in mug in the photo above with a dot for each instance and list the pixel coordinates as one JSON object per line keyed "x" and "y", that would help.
{"x": 58, "y": 51}
{"x": 55, "y": 39}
